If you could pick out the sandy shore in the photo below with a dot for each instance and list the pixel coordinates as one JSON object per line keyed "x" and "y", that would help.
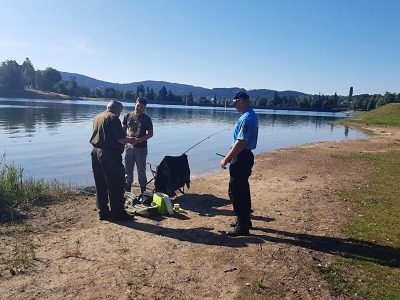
{"x": 297, "y": 223}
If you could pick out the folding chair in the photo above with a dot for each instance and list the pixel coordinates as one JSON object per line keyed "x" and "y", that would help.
{"x": 172, "y": 174}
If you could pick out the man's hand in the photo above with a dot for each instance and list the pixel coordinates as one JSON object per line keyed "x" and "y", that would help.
{"x": 136, "y": 141}
{"x": 223, "y": 163}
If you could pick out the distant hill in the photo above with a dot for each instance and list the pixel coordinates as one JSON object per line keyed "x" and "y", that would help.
{"x": 176, "y": 88}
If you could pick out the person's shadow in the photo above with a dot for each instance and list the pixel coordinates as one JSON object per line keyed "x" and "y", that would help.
{"x": 345, "y": 247}
{"x": 209, "y": 206}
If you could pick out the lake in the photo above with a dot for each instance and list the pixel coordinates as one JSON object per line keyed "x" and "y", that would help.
{"x": 50, "y": 138}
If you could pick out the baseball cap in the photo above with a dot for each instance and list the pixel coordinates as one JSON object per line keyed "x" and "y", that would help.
{"x": 238, "y": 96}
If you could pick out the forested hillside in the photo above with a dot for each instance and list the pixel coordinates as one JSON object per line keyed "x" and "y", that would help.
{"x": 19, "y": 81}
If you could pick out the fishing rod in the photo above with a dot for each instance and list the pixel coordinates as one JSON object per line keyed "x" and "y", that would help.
{"x": 204, "y": 140}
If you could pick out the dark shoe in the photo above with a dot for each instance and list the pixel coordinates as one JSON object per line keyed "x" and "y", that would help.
{"x": 238, "y": 231}
{"x": 123, "y": 217}
{"x": 104, "y": 215}
{"x": 234, "y": 224}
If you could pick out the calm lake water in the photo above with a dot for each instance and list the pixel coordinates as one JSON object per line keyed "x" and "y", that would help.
{"x": 50, "y": 138}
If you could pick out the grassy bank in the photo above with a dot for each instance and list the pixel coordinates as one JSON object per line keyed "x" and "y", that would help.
{"x": 19, "y": 194}
{"x": 374, "y": 272}
{"x": 35, "y": 94}
{"x": 387, "y": 115}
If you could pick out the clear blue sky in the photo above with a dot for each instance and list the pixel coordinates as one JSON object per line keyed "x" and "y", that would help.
{"x": 312, "y": 46}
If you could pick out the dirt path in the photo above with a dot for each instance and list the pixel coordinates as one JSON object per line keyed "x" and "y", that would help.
{"x": 297, "y": 223}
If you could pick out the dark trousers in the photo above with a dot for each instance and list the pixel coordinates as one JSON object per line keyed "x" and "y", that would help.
{"x": 239, "y": 188}
{"x": 109, "y": 178}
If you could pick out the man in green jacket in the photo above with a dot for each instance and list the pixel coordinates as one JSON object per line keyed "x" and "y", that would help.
{"x": 108, "y": 140}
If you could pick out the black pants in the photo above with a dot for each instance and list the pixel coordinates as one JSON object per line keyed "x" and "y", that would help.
{"x": 239, "y": 188}
{"x": 109, "y": 178}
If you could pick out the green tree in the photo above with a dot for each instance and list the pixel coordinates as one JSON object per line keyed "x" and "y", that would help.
{"x": 28, "y": 73}
{"x": 275, "y": 100}
{"x": 129, "y": 95}
{"x": 170, "y": 96}
{"x": 178, "y": 98}
{"x": 39, "y": 81}
{"x": 98, "y": 93}
{"x": 61, "y": 87}
{"x": 203, "y": 100}
{"x": 140, "y": 91}
{"x": 261, "y": 102}
{"x": 119, "y": 94}
{"x": 371, "y": 104}
{"x": 150, "y": 95}
{"x": 389, "y": 97}
{"x": 10, "y": 75}
{"x": 163, "y": 94}
{"x": 83, "y": 91}
{"x": 302, "y": 102}
{"x": 190, "y": 99}
{"x": 381, "y": 102}
{"x": 71, "y": 86}
{"x": 110, "y": 93}
{"x": 46, "y": 80}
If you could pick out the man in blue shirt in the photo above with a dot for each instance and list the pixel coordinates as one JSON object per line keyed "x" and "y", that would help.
{"x": 241, "y": 160}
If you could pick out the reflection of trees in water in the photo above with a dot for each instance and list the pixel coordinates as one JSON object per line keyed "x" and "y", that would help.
{"x": 291, "y": 120}
{"x": 29, "y": 117}
{"x": 15, "y": 119}
{"x": 28, "y": 114}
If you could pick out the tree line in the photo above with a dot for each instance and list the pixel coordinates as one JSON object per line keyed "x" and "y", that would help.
{"x": 19, "y": 77}
{"x": 362, "y": 102}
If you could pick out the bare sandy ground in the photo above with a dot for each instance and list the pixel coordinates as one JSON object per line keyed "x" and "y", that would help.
{"x": 297, "y": 220}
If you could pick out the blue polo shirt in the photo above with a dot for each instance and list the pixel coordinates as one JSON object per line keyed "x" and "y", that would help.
{"x": 247, "y": 129}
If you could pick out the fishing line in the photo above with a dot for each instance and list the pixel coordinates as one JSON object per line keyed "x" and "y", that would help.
{"x": 204, "y": 140}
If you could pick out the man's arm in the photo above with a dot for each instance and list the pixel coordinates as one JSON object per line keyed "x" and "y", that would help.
{"x": 233, "y": 152}
{"x": 146, "y": 137}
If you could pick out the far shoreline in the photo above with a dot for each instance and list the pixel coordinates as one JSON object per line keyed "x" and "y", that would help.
{"x": 39, "y": 94}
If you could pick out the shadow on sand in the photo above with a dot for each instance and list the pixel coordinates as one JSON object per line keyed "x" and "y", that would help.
{"x": 209, "y": 206}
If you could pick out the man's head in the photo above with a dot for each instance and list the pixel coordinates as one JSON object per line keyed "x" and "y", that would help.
{"x": 115, "y": 107}
{"x": 140, "y": 105}
{"x": 241, "y": 101}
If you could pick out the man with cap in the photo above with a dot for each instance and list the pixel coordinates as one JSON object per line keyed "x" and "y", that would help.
{"x": 137, "y": 124}
{"x": 241, "y": 160}
{"x": 108, "y": 140}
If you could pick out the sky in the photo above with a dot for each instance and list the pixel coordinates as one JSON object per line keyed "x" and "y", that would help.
{"x": 310, "y": 46}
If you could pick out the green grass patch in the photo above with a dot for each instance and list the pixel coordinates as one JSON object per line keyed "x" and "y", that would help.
{"x": 19, "y": 194}
{"x": 386, "y": 115}
{"x": 379, "y": 201}
{"x": 371, "y": 261}
{"x": 341, "y": 284}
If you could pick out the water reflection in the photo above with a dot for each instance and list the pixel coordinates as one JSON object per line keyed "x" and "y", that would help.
{"x": 27, "y": 114}
{"x": 56, "y": 132}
